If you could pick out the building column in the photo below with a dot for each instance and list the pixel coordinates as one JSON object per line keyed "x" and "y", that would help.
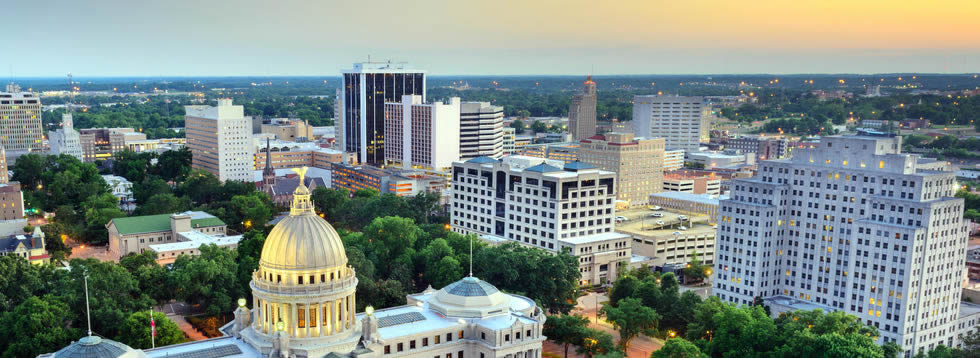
{"x": 353, "y": 310}
{"x": 257, "y": 318}
{"x": 306, "y": 307}
{"x": 293, "y": 321}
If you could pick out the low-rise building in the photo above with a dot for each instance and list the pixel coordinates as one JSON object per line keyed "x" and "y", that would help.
{"x": 637, "y": 162}
{"x": 286, "y": 129}
{"x": 692, "y": 182}
{"x": 692, "y": 204}
{"x": 104, "y": 143}
{"x": 565, "y": 152}
{"x": 30, "y": 247}
{"x": 136, "y": 234}
{"x": 764, "y": 148}
{"x": 402, "y": 183}
{"x": 668, "y": 239}
{"x": 719, "y": 160}
{"x": 121, "y": 188}
{"x": 11, "y": 201}
{"x": 287, "y": 155}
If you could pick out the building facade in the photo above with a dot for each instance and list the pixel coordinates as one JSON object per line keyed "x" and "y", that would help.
{"x": 420, "y": 135}
{"x": 20, "y": 120}
{"x": 581, "y": 111}
{"x": 30, "y": 247}
{"x": 402, "y": 183}
{"x": 294, "y": 130}
{"x": 693, "y": 183}
{"x": 638, "y": 163}
{"x": 763, "y": 148}
{"x": 566, "y": 152}
{"x": 104, "y": 143}
{"x": 851, "y": 225}
{"x": 679, "y": 120}
{"x": 481, "y": 130}
{"x": 366, "y": 89}
{"x": 544, "y": 204}
{"x": 673, "y": 159}
{"x": 220, "y": 140}
{"x": 136, "y": 234}
{"x": 66, "y": 140}
{"x": 11, "y": 201}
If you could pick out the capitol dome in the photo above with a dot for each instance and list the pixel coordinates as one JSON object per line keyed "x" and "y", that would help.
{"x": 98, "y": 347}
{"x": 303, "y": 240}
{"x": 470, "y": 298}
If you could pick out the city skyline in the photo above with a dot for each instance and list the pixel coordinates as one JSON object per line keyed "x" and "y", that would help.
{"x": 241, "y": 39}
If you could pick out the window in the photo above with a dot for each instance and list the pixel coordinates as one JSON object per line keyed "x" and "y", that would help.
{"x": 411, "y": 345}
{"x": 449, "y": 337}
{"x": 401, "y": 347}
{"x": 459, "y": 335}
{"x": 388, "y": 349}
{"x": 425, "y": 342}
{"x": 437, "y": 340}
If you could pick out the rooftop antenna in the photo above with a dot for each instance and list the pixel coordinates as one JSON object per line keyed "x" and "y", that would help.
{"x": 71, "y": 94}
{"x": 88, "y": 316}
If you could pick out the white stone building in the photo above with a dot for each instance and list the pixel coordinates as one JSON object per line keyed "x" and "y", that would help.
{"x": 545, "y": 204}
{"x": 851, "y": 225}
{"x": 66, "y": 140}
{"x": 303, "y": 306}
{"x": 220, "y": 139}
{"x": 681, "y": 121}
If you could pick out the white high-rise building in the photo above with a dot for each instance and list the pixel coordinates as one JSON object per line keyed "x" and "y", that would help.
{"x": 481, "y": 130}
{"x": 545, "y": 204}
{"x": 850, "y": 225}
{"x": 220, "y": 139}
{"x": 679, "y": 120}
{"x": 20, "y": 120}
{"x": 66, "y": 140}
{"x": 366, "y": 89}
{"x": 420, "y": 135}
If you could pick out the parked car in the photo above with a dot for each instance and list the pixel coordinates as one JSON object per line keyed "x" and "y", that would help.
{"x": 620, "y": 219}
{"x": 682, "y": 228}
{"x": 682, "y": 218}
{"x": 660, "y": 222}
{"x": 655, "y": 208}
{"x": 657, "y": 215}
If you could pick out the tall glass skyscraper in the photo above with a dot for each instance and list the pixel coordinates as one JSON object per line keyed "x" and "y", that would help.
{"x": 366, "y": 89}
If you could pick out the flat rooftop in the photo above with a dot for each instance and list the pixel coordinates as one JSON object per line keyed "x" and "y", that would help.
{"x": 640, "y": 223}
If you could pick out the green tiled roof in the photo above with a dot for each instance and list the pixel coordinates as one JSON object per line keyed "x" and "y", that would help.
{"x": 157, "y": 223}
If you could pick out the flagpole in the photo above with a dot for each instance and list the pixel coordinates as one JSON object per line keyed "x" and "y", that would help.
{"x": 88, "y": 317}
{"x": 153, "y": 330}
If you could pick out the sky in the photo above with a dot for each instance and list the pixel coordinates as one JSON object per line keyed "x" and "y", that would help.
{"x": 498, "y": 37}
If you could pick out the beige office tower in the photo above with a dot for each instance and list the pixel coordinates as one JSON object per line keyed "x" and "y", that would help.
{"x": 220, "y": 140}
{"x": 581, "y": 112}
{"x": 338, "y": 119}
{"x": 20, "y": 120}
{"x": 638, "y": 163}
{"x": 4, "y": 175}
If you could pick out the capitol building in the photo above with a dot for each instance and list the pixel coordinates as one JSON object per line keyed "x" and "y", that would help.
{"x": 303, "y": 305}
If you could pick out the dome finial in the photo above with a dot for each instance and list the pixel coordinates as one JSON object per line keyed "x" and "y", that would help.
{"x": 301, "y": 197}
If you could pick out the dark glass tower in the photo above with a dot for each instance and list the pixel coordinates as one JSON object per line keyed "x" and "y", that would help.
{"x": 366, "y": 89}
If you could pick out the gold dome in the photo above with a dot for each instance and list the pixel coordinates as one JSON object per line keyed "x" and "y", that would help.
{"x": 303, "y": 241}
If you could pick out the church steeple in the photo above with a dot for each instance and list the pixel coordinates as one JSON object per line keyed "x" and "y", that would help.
{"x": 268, "y": 174}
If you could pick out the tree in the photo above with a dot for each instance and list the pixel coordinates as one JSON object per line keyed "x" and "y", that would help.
{"x": 891, "y": 350}
{"x": 249, "y": 251}
{"x": 518, "y": 126}
{"x": 173, "y": 165}
{"x": 153, "y": 279}
{"x": 253, "y": 210}
{"x": 148, "y": 188}
{"x": 99, "y": 210}
{"x": 694, "y": 271}
{"x": 971, "y": 344}
{"x": 539, "y": 127}
{"x": 19, "y": 280}
{"x": 38, "y": 325}
{"x": 164, "y": 204}
{"x": 200, "y": 186}
{"x": 741, "y": 332}
{"x": 389, "y": 239}
{"x": 330, "y": 202}
{"x": 113, "y": 294}
{"x": 441, "y": 268}
{"x": 135, "y": 331}
{"x": 595, "y": 343}
{"x": 631, "y": 319}
{"x": 624, "y": 287}
{"x": 209, "y": 279}
{"x": 565, "y": 330}
{"x": 758, "y": 301}
{"x": 678, "y": 348}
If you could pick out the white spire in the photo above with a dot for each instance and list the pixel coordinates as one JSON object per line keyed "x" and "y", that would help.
{"x": 88, "y": 316}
